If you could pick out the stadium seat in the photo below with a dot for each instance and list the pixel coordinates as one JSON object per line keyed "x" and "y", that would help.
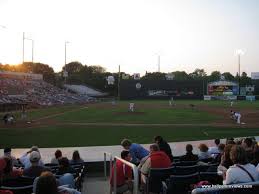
{"x": 155, "y": 178}
{"x": 19, "y": 190}
{"x": 185, "y": 170}
{"x": 208, "y": 167}
{"x": 213, "y": 177}
{"x": 21, "y": 185}
{"x": 181, "y": 184}
{"x": 185, "y": 163}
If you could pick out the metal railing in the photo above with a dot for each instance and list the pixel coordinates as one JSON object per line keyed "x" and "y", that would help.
{"x": 135, "y": 174}
{"x": 105, "y": 165}
{"x": 113, "y": 160}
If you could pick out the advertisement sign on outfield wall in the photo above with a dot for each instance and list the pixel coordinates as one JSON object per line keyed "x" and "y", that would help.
{"x": 206, "y": 97}
{"x": 250, "y": 98}
{"x": 255, "y": 75}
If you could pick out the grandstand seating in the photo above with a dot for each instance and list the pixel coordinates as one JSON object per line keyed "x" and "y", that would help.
{"x": 83, "y": 89}
{"x": 180, "y": 171}
{"x": 20, "y": 185}
{"x": 180, "y": 184}
{"x": 24, "y": 185}
{"x": 36, "y": 92}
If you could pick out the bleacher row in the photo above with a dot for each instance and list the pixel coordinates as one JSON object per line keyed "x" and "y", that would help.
{"x": 183, "y": 176}
{"x": 231, "y": 168}
{"x": 36, "y": 92}
{"x": 24, "y": 184}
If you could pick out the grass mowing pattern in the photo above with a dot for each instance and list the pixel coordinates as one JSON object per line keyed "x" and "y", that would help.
{"x": 94, "y": 115}
{"x": 67, "y": 136}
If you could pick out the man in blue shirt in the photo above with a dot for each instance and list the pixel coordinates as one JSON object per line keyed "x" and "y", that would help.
{"x": 137, "y": 152}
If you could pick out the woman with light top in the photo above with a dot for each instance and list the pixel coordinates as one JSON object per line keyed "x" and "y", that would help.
{"x": 241, "y": 171}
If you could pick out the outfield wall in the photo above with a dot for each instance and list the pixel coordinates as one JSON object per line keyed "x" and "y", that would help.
{"x": 256, "y": 84}
{"x": 161, "y": 89}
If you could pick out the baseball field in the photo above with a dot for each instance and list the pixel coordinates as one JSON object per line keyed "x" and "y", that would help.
{"x": 104, "y": 123}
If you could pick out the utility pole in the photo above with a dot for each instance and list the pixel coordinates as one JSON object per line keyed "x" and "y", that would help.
{"x": 23, "y": 38}
{"x": 119, "y": 82}
{"x": 239, "y": 76}
{"x": 158, "y": 63}
{"x": 32, "y": 50}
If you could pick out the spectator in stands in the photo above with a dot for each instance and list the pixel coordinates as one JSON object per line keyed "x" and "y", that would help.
{"x": 226, "y": 162}
{"x": 189, "y": 156}
{"x": 64, "y": 167}
{"x": 76, "y": 159}
{"x": 9, "y": 171}
{"x": 214, "y": 151}
{"x": 255, "y": 161}
{"x": 230, "y": 141}
{"x": 137, "y": 152}
{"x": 164, "y": 146}
{"x": 2, "y": 167}
{"x": 8, "y": 153}
{"x": 203, "y": 154}
{"x": 218, "y": 157}
{"x": 25, "y": 159}
{"x": 247, "y": 144}
{"x": 47, "y": 184}
{"x": 156, "y": 159}
{"x": 241, "y": 171}
{"x": 124, "y": 174}
{"x": 58, "y": 155}
{"x": 35, "y": 169}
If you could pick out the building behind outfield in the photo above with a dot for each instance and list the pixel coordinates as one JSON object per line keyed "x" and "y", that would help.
{"x": 161, "y": 89}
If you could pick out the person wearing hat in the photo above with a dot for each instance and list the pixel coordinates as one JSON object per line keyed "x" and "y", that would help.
{"x": 8, "y": 153}
{"x": 35, "y": 170}
{"x": 25, "y": 159}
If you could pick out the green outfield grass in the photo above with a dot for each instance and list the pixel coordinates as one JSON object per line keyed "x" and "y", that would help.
{"x": 67, "y": 136}
{"x": 63, "y": 133}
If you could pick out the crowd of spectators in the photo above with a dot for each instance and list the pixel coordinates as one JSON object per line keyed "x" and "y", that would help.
{"x": 237, "y": 161}
{"x": 36, "y": 92}
{"x": 45, "y": 179}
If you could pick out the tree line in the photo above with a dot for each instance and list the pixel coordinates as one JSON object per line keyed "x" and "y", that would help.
{"x": 95, "y": 75}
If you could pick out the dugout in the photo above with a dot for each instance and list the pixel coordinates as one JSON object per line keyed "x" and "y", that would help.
{"x": 161, "y": 89}
{"x": 6, "y": 107}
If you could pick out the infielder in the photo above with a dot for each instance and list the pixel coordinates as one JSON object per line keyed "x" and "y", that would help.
{"x": 131, "y": 107}
{"x": 236, "y": 116}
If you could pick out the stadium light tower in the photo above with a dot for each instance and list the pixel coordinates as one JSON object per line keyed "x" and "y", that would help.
{"x": 32, "y": 47}
{"x": 239, "y": 52}
{"x": 66, "y": 42}
{"x": 65, "y": 71}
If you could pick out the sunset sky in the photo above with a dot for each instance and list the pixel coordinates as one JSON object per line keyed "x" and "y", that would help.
{"x": 187, "y": 34}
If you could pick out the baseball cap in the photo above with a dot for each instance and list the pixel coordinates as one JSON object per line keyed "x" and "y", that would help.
{"x": 34, "y": 148}
{"x": 2, "y": 164}
{"x": 34, "y": 156}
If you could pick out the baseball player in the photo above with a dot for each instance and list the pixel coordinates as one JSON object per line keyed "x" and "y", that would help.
{"x": 131, "y": 107}
{"x": 236, "y": 116}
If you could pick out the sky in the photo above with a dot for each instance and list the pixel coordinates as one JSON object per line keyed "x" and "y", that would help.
{"x": 186, "y": 34}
